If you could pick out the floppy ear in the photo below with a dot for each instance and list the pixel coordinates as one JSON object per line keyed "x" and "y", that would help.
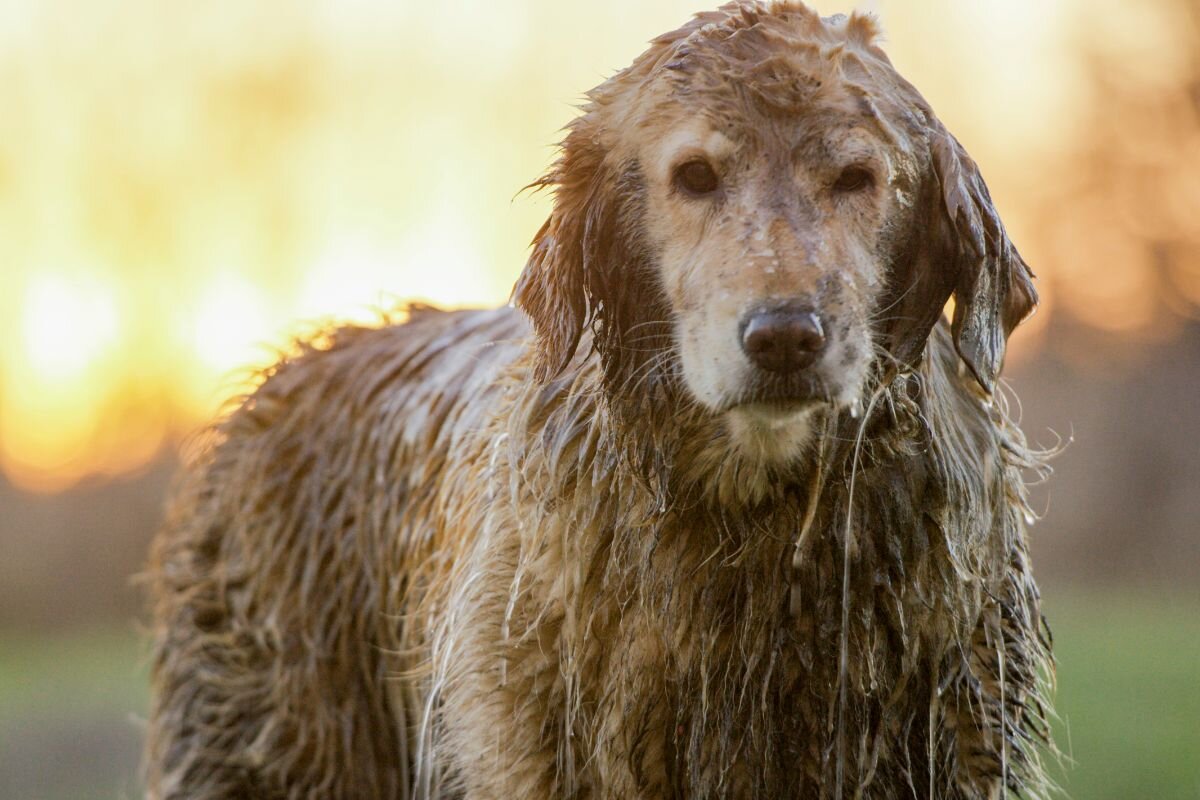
{"x": 554, "y": 288}
{"x": 993, "y": 287}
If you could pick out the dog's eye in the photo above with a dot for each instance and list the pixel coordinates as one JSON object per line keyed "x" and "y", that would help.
{"x": 697, "y": 177}
{"x": 854, "y": 179}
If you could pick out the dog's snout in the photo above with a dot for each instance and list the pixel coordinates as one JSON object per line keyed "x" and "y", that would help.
{"x": 782, "y": 340}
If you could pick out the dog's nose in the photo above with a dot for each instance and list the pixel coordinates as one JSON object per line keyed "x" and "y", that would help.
{"x": 782, "y": 340}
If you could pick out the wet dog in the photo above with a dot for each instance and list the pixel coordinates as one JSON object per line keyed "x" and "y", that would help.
{"x": 727, "y": 508}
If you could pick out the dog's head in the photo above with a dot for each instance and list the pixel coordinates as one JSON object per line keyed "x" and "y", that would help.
{"x": 761, "y": 206}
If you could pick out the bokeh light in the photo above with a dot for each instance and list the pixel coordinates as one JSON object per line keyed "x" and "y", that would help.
{"x": 183, "y": 187}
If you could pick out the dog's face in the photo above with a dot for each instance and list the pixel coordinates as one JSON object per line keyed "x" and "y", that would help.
{"x": 773, "y": 230}
{"x": 761, "y": 207}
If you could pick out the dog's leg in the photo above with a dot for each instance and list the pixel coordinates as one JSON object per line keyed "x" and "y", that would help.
{"x": 254, "y": 698}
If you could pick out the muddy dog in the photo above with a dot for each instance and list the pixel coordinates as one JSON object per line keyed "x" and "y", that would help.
{"x": 727, "y": 508}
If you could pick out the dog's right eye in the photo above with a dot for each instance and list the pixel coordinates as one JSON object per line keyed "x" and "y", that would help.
{"x": 854, "y": 179}
{"x": 697, "y": 178}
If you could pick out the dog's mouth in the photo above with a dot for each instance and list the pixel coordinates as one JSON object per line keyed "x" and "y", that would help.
{"x": 781, "y": 398}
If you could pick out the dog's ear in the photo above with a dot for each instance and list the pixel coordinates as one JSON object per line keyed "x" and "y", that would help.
{"x": 959, "y": 246}
{"x": 554, "y": 289}
{"x": 956, "y": 246}
{"x": 993, "y": 287}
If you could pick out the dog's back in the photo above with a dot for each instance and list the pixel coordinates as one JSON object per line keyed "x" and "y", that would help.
{"x": 271, "y": 576}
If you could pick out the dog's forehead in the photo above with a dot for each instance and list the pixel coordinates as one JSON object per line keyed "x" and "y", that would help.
{"x": 789, "y": 115}
{"x": 792, "y": 76}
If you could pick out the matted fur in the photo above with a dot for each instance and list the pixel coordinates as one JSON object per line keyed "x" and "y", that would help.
{"x": 466, "y": 557}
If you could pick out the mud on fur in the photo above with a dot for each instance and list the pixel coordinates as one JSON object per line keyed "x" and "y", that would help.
{"x": 726, "y": 509}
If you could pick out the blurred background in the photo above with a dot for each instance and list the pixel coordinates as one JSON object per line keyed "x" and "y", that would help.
{"x": 186, "y": 186}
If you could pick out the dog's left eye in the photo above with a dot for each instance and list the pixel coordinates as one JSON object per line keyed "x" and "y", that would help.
{"x": 854, "y": 179}
{"x": 697, "y": 177}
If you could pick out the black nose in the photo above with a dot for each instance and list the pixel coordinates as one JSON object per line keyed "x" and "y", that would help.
{"x": 785, "y": 339}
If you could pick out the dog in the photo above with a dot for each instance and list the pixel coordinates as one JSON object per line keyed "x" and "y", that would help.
{"x": 726, "y": 507}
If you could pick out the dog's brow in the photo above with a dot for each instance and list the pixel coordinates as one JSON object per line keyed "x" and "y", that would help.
{"x": 695, "y": 140}
{"x": 831, "y": 147}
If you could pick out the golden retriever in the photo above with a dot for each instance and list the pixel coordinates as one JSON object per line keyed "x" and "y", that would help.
{"x": 730, "y": 510}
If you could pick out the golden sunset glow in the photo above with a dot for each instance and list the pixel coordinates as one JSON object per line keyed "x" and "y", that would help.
{"x": 186, "y": 186}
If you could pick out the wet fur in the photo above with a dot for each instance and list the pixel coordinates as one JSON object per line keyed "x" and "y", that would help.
{"x": 464, "y": 556}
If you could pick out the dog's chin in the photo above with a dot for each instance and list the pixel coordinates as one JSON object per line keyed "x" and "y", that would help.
{"x": 774, "y": 431}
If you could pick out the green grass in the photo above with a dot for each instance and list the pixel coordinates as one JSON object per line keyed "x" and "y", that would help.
{"x": 1128, "y": 698}
{"x": 70, "y": 712}
{"x": 89, "y": 671}
{"x": 1128, "y": 695}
